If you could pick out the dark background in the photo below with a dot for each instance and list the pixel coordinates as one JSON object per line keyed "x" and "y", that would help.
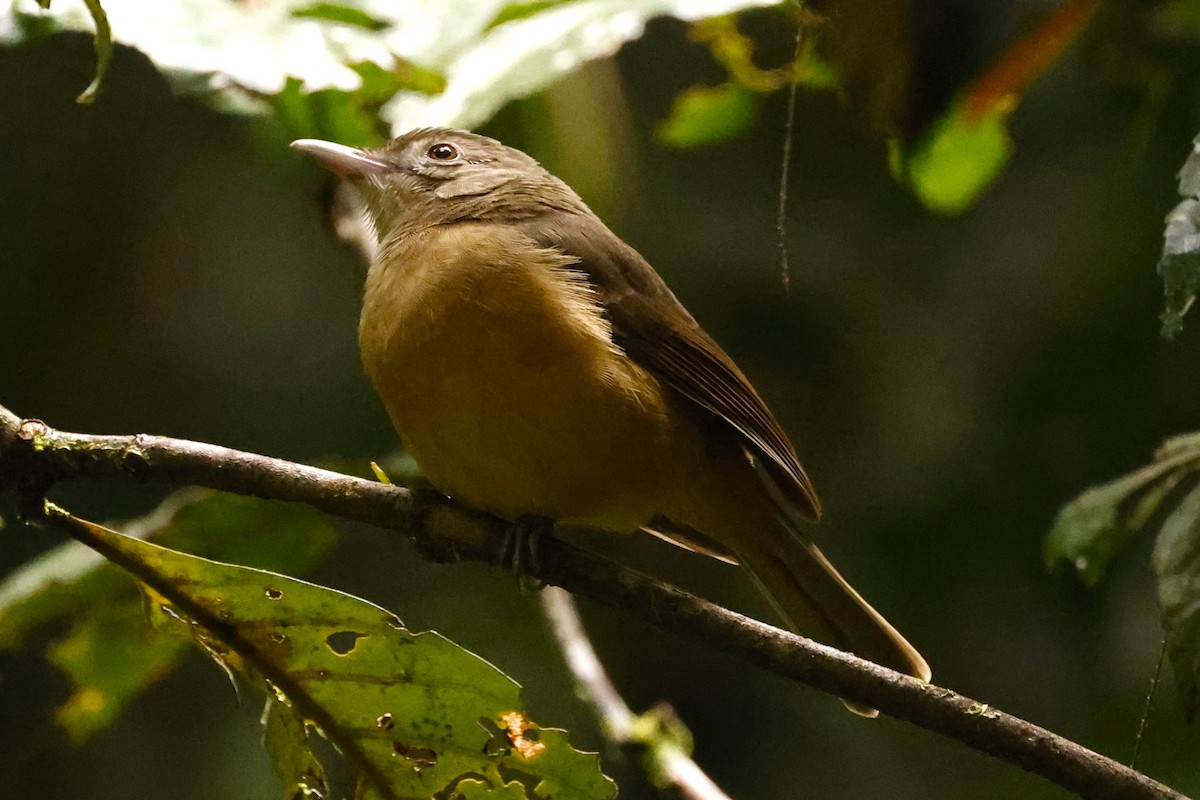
{"x": 949, "y": 383}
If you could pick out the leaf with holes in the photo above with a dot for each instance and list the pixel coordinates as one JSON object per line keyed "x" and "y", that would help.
{"x": 414, "y": 713}
{"x": 110, "y": 655}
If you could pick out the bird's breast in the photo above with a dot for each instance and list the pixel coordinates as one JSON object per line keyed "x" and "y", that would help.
{"x": 497, "y": 366}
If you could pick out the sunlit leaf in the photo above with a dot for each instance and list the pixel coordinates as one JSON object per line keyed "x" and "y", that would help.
{"x": 110, "y": 655}
{"x": 1097, "y": 525}
{"x": 527, "y": 54}
{"x": 483, "y": 52}
{"x": 412, "y": 712}
{"x": 706, "y": 115}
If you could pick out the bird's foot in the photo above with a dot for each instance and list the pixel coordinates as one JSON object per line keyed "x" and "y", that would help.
{"x": 522, "y": 550}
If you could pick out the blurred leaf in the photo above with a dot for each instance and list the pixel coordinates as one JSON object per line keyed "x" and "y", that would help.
{"x": 1179, "y": 16}
{"x": 706, "y": 115}
{"x": 471, "y": 789}
{"x": 514, "y": 11}
{"x": 958, "y": 158}
{"x": 1098, "y": 524}
{"x": 110, "y": 655}
{"x": 103, "y": 45}
{"x": 413, "y": 712}
{"x": 709, "y": 115}
{"x": 469, "y": 51}
{"x": 965, "y": 149}
{"x": 1094, "y": 527}
{"x": 327, "y": 114}
{"x": 285, "y": 738}
{"x": 1179, "y": 266}
{"x": 1176, "y": 560}
{"x": 527, "y": 54}
{"x": 342, "y": 13}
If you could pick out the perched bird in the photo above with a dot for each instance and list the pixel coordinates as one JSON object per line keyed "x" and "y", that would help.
{"x": 535, "y": 364}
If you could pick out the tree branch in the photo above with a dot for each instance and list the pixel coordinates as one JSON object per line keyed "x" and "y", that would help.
{"x": 34, "y": 456}
{"x": 666, "y": 760}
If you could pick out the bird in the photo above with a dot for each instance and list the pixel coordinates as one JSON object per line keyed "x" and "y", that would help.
{"x": 536, "y": 366}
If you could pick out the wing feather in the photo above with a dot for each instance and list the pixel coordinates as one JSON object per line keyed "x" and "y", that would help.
{"x": 655, "y": 330}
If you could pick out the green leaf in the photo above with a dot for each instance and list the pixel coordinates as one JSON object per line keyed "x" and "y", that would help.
{"x": 957, "y": 158}
{"x": 1178, "y": 17}
{"x": 524, "y": 55}
{"x": 472, "y": 789}
{"x": 484, "y": 52}
{"x": 707, "y": 115}
{"x": 414, "y": 713}
{"x": 1176, "y": 560}
{"x": 1097, "y": 525}
{"x": 341, "y": 14}
{"x": 514, "y": 11}
{"x": 285, "y": 738}
{"x": 1179, "y": 266}
{"x": 110, "y": 655}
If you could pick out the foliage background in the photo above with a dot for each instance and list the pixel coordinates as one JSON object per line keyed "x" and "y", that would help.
{"x": 949, "y": 383}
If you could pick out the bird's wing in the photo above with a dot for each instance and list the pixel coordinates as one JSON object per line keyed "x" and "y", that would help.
{"x": 655, "y": 330}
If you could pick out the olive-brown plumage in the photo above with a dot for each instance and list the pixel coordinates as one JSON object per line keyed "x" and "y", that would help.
{"x": 533, "y": 363}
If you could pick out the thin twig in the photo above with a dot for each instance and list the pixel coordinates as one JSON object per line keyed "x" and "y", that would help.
{"x": 785, "y": 272}
{"x": 669, "y": 763}
{"x": 34, "y": 456}
{"x": 1141, "y": 731}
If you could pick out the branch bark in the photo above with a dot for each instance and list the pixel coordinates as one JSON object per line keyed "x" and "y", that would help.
{"x": 34, "y": 456}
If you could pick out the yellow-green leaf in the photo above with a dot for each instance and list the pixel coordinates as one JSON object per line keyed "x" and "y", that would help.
{"x": 707, "y": 115}
{"x": 958, "y": 158}
{"x": 414, "y": 713}
{"x": 110, "y": 654}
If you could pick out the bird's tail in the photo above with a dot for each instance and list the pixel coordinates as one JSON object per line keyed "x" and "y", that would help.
{"x": 814, "y": 600}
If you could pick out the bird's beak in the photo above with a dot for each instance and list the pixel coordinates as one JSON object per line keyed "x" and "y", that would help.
{"x": 347, "y": 162}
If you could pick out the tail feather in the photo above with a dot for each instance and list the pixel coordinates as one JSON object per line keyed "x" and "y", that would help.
{"x": 814, "y": 600}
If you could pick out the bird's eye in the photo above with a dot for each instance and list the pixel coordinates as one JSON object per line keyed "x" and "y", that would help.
{"x": 443, "y": 152}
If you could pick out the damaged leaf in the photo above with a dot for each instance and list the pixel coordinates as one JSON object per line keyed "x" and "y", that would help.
{"x": 413, "y": 713}
{"x": 110, "y": 654}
